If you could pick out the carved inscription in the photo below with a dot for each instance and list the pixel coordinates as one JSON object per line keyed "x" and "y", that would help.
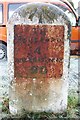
{"x": 38, "y": 51}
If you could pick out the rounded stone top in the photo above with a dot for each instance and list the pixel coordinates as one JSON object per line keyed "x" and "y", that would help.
{"x": 39, "y": 13}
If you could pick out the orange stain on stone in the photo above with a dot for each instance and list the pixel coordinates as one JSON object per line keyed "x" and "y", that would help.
{"x": 38, "y": 51}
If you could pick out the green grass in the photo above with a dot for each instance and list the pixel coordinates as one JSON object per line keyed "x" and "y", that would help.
{"x": 5, "y": 105}
{"x": 72, "y": 112}
{"x": 73, "y": 108}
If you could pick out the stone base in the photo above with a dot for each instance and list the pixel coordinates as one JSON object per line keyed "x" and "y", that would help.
{"x": 49, "y": 95}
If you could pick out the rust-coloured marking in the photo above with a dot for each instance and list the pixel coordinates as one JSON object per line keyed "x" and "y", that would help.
{"x": 38, "y": 51}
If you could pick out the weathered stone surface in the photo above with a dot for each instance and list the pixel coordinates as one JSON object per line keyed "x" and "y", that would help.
{"x": 38, "y": 60}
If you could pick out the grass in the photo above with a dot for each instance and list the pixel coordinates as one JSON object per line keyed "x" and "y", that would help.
{"x": 5, "y": 105}
{"x": 36, "y": 116}
{"x": 72, "y": 112}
